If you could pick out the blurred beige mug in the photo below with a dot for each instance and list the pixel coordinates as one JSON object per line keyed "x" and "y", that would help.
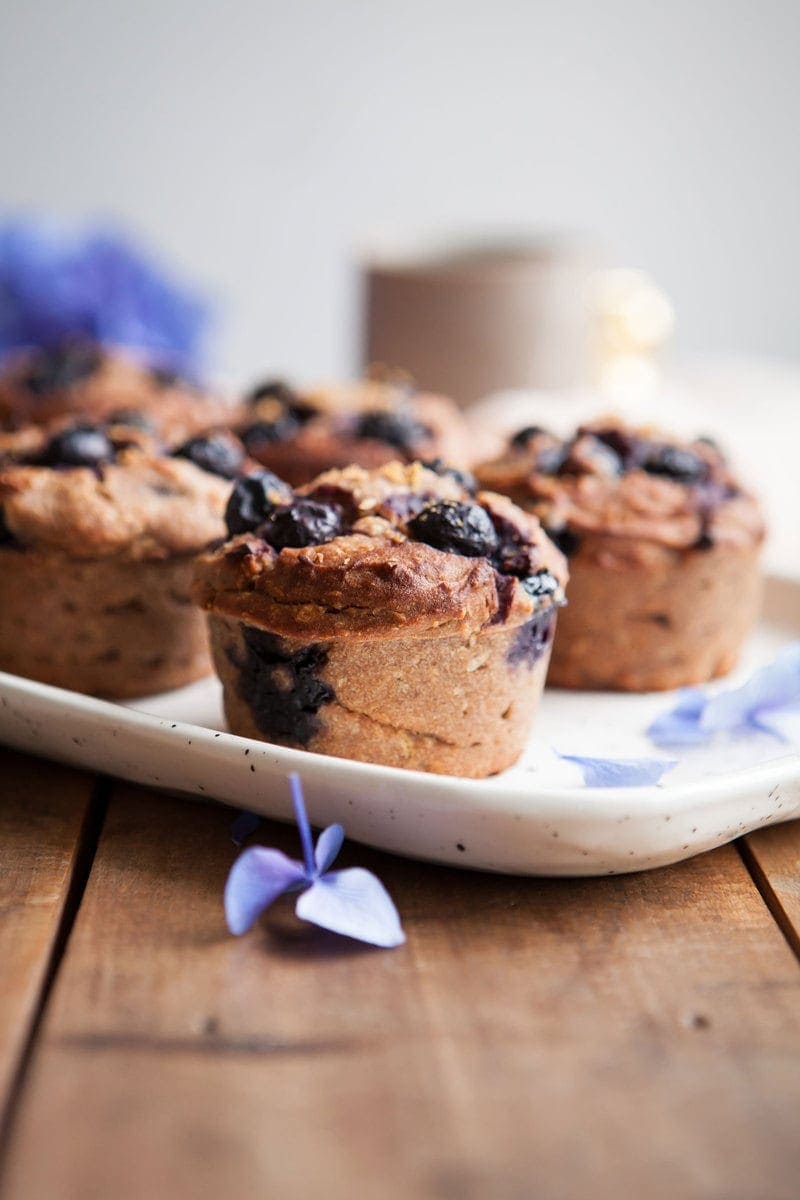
{"x": 472, "y": 317}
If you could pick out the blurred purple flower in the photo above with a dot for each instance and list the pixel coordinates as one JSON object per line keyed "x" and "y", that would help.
{"x": 620, "y": 772}
{"x": 681, "y": 725}
{"x": 58, "y": 283}
{"x": 698, "y": 715}
{"x": 351, "y": 902}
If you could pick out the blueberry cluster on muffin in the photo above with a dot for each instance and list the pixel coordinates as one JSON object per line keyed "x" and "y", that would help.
{"x": 298, "y": 435}
{"x": 77, "y": 377}
{"x": 393, "y": 615}
{"x": 663, "y": 543}
{"x": 99, "y": 527}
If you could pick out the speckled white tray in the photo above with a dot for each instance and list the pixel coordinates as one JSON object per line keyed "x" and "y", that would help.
{"x": 537, "y": 818}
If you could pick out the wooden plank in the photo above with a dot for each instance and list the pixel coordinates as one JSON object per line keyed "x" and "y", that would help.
{"x": 42, "y": 812}
{"x": 773, "y": 856}
{"x": 630, "y": 1036}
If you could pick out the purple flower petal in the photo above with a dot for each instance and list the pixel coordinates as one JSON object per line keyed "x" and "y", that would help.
{"x": 257, "y": 878}
{"x": 355, "y": 904}
{"x": 242, "y": 826}
{"x": 329, "y": 843}
{"x": 772, "y": 687}
{"x": 620, "y": 772}
{"x": 698, "y": 715}
{"x": 681, "y": 725}
{"x": 304, "y": 829}
{"x": 59, "y": 282}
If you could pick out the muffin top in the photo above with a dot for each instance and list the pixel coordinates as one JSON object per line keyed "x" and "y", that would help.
{"x": 78, "y": 378}
{"x": 101, "y": 491}
{"x": 404, "y": 549}
{"x": 612, "y": 479}
{"x": 300, "y": 434}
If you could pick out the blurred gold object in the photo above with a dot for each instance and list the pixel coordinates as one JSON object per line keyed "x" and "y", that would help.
{"x": 634, "y": 319}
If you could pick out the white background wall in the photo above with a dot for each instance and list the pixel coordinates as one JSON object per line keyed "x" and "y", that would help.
{"x": 257, "y": 141}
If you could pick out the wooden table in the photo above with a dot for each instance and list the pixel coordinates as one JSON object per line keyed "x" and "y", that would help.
{"x": 631, "y": 1037}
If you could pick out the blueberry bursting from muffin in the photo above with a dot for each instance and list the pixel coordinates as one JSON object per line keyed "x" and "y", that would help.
{"x": 95, "y": 446}
{"x": 369, "y": 423}
{"x": 74, "y": 360}
{"x": 397, "y": 427}
{"x": 464, "y": 527}
{"x": 263, "y": 504}
{"x": 615, "y": 452}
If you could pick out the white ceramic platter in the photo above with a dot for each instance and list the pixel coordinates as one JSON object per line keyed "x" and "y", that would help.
{"x": 537, "y": 818}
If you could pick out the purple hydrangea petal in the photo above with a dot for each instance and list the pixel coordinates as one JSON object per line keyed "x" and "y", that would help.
{"x": 681, "y": 725}
{"x": 242, "y": 827}
{"x": 303, "y": 825}
{"x": 760, "y": 725}
{"x": 774, "y": 686}
{"x": 329, "y": 843}
{"x": 620, "y": 772}
{"x": 355, "y": 904}
{"x": 58, "y": 282}
{"x": 258, "y": 877}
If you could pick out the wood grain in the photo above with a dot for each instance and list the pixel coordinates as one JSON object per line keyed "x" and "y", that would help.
{"x": 773, "y": 856}
{"x": 42, "y": 813}
{"x": 535, "y": 1038}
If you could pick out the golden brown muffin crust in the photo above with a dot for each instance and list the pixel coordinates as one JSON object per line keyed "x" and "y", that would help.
{"x": 328, "y": 435}
{"x": 572, "y": 485}
{"x": 374, "y": 578}
{"x": 116, "y": 382}
{"x": 141, "y": 506}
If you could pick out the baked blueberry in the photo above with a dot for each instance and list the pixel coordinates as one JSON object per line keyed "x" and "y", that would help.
{"x": 395, "y": 427}
{"x": 6, "y": 536}
{"x": 79, "y": 446}
{"x": 541, "y": 585}
{"x": 550, "y": 458}
{"x": 455, "y": 528}
{"x": 403, "y": 505}
{"x": 532, "y": 640}
{"x": 515, "y": 559}
{"x": 523, "y": 436}
{"x": 131, "y": 417}
{"x": 341, "y": 497}
{"x": 262, "y": 433}
{"x": 302, "y": 523}
{"x": 273, "y": 389}
{"x": 283, "y": 713}
{"x": 590, "y": 455}
{"x": 567, "y": 541}
{"x": 216, "y": 453}
{"x": 514, "y": 555}
{"x": 57, "y": 367}
{"x": 165, "y": 377}
{"x": 464, "y": 479}
{"x": 672, "y": 462}
{"x": 253, "y": 499}
{"x": 629, "y": 448}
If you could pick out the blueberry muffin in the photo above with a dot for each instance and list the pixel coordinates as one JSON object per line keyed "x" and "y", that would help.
{"x": 77, "y": 378}
{"x": 663, "y": 546}
{"x": 393, "y": 616}
{"x": 299, "y": 435}
{"x": 99, "y": 529}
